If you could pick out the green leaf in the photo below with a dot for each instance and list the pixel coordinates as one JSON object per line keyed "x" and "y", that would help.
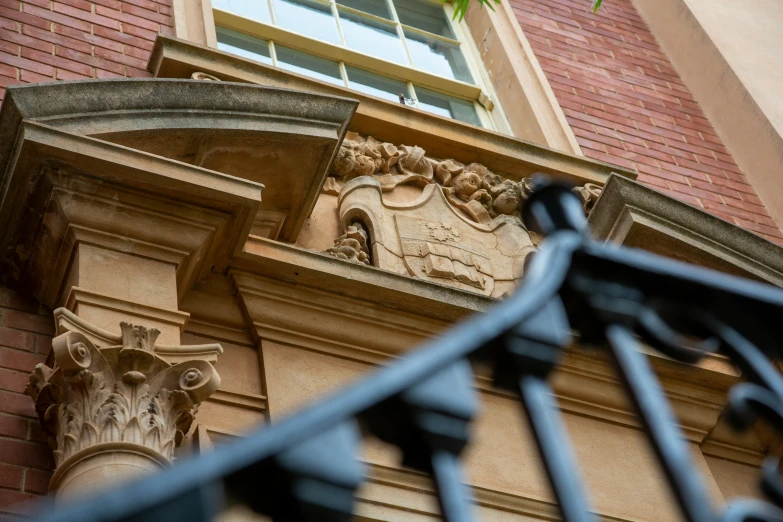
{"x": 461, "y": 6}
{"x": 596, "y": 5}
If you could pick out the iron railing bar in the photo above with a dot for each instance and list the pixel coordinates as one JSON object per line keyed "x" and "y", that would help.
{"x": 454, "y": 496}
{"x": 660, "y": 424}
{"x": 553, "y": 445}
{"x": 551, "y": 265}
{"x": 754, "y": 364}
{"x": 649, "y": 270}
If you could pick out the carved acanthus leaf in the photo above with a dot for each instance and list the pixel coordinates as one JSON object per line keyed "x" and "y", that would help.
{"x": 122, "y": 393}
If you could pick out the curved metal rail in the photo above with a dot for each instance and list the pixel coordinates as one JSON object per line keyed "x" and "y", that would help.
{"x": 305, "y": 468}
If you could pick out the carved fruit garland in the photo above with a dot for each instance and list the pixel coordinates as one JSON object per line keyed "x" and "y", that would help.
{"x": 122, "y": 393}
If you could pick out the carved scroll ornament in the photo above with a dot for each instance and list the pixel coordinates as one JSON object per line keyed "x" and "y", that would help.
{"x": 117, "y": 394}
{"x": 472, "y": 188}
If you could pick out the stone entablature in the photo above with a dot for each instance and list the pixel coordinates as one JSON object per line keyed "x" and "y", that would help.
{"x": 110, "y": 412}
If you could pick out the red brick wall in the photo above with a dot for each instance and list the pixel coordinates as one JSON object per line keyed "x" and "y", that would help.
{"x": 627, "y": 106}
{"x": 25, "y": 460}
{"x": 45, "y": 40}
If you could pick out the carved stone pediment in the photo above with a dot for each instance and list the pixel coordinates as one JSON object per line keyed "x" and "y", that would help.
{"x": 428, "y": 238}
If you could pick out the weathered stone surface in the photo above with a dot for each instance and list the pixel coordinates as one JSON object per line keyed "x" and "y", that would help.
{"x": 473, "y": 189}
{"x": 434, "y": 241}
{"x": 635, "y": 215}
{"x": 110, "y": 412}
{"x": 251, "y": 132}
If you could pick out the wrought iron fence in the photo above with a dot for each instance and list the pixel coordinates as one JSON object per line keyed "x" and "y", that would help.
{"x": 305, "y": 468}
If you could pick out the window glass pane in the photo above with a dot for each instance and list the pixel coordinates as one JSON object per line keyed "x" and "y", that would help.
{"x": 376, "y": 85}
{"x": 372, "y": 37}
{"x": 308, "y": 18}
{"x": 437, "y": 57}
{"x": 253, "y": 9}
{"x": 444, "y": 105}
{"x": 424, "y": 15}
{"x": 308, "y": 65}
{"x": 243, "y": 45}
{"x": 376, "y": 7}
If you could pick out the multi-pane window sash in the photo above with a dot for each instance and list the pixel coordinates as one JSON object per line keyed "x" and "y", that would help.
{"x": 404, "y": 51}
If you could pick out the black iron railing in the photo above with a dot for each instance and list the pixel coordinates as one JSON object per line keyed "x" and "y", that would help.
{"x": 305, "y": 468}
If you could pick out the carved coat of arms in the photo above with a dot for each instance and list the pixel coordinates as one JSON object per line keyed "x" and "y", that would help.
{"x": 429, "y": 239}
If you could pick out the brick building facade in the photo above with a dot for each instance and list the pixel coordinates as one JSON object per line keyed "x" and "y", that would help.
{"x": 75, "y": 39}
{"x": 621, "y": 96}
{"x": 628, "y": 106}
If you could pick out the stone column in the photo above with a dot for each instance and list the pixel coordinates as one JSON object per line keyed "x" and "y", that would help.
{"x": 116, "y": 411}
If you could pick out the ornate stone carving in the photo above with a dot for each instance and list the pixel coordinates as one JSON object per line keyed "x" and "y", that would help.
{"x": 121, "y": 399}
{"x": 473, "y": 189}
{"x": 589, "y": 194}
{"x": 429, "y": 239}
{"x": 352, "y": 246}
{"x": 463, "y": 228}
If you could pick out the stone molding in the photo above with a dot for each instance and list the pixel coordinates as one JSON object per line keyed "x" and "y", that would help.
{"x": 191, "y": 236}
{"x": 100, "y": 404}
{"x": 193, "y": 21}
{"x": 584, "y": 383}
{"x": 66, "y": 321}
{"x": 250, "y": 401}
{"x": 79, "y": 296}
{"x": 266, "y": 260}
{"x": 635, "y": 215}
{"x": 290, "y": 314}
{"x": 113, "y": 131}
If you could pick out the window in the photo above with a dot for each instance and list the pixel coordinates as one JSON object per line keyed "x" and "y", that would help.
{"x": 405, "y": 51}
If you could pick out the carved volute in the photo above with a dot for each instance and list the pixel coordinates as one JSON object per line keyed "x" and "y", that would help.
{"x": 111, "y": 412}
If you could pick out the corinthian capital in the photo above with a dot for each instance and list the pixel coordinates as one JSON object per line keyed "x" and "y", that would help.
{"x": 121, "y": 399}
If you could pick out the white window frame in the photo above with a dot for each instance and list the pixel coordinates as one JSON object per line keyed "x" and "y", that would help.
{"x": 480, "y": 94}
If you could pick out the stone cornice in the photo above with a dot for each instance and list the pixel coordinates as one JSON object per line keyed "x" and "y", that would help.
{"x": 632, "y": 214}
{"x": 124, "y": 200}
{"x": 493, "y": 498}
{"x": 294, "y": 265}
{"x": 285, "y": 312}
{"x": 78, "y": 296}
